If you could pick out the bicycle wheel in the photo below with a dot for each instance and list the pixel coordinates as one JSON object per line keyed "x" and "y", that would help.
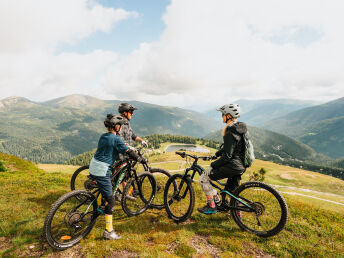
{"x": 161, "y": 177}
{"x": 80, "y": 181}
{"x": 70, "y": 219}
{"x": 179, "y": 198}
{"x": 138, "y": 194}
{"x": 270, "y": 212}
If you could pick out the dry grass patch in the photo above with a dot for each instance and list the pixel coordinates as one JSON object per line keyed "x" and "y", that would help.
{"x": 5, "y": 243}
{"x": 74, "y": 252}
{"x": 250, "y": 249}
{"x": 203, "y": 247}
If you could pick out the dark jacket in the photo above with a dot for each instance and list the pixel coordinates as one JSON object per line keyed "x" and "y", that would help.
{"x": 233, "y": 151}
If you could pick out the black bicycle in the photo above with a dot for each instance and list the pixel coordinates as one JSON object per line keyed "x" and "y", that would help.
{"x": 74, "y": 214}
{"x": 81, "y": 181}
{"x": 255, "y": 206}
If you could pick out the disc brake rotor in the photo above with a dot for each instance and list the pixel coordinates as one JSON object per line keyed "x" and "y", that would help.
{"x": 260, "y": 209}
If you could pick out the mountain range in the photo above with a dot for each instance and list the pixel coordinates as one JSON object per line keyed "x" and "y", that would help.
{"x": 55, "y": 130}
{"x": 257, "y": 112}
{"x": 321, "y": 127}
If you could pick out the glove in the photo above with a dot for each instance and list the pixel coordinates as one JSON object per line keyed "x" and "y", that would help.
{"x": 219, "y": 153}
{"x": 132, "y": 154}
{"x": 214, "y": 157}
{"x": 144, "y": 143}
{"x": 143, "y": 160}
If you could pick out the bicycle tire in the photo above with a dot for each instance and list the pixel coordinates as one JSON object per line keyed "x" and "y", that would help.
{"x": 75, "y": 176}
{"x": 171, "y": 189}
{"x": 47, "y": 233}
{"x": 261, "y": 210}
{"x": 161, "y": 181}
{"x": 135, "y": 186}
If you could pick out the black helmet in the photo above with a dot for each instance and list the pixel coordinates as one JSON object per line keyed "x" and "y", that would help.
{"x": 125, "y": 107}
{"x": 112, "y": 120}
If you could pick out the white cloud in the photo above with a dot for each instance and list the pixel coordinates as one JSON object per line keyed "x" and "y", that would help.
{"x": 31, "y": 31}
{"x": 211, "y": 52}
{"x": 43, "y": 24}
{"x": 219, "y": 51}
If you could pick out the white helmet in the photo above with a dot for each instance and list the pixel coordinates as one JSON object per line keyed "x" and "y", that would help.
{"x": 232, "y": 109}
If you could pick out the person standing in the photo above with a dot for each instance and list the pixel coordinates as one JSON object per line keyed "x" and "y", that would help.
{"x": 126, "y": 110}
{"x": 110, "y": 145}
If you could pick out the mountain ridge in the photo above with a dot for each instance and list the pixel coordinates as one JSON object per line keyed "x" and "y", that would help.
{"x": 320, "y": 127}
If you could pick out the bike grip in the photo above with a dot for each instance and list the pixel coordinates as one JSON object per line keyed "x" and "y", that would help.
{"x": 180, "y": 153}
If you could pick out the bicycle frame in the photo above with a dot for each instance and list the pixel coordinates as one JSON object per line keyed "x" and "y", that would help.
{"x": 118, "y": 174}
{"x": 195, "y": 168}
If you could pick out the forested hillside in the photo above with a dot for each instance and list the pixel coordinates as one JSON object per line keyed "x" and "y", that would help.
{"x": 154, "y": 141}
{"x": 54, "y": 131}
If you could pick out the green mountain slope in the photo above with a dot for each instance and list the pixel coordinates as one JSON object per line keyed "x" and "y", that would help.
{"x": 321, "y": 127}
{"x": 56, "y": 130}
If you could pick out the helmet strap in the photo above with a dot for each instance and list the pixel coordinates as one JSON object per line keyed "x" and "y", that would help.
{"x": 125, "y": 115}
{"x": 117, "y": 132}
{"x": 228, "y": 119}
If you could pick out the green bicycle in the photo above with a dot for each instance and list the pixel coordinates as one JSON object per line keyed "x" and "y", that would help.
{"x": 73, "y": 215}
{"x": 255, "y": 206}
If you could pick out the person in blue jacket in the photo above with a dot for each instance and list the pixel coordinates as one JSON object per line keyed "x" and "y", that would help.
{"x": 110, "y": 145}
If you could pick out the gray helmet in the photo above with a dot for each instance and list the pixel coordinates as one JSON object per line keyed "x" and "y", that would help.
{"x": 232, "y": 109}
{"x": 125, "y": 107}
{"x": 112, "y": 120}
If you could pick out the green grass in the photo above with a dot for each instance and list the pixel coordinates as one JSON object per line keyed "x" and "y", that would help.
{"x": 28, "y": 192}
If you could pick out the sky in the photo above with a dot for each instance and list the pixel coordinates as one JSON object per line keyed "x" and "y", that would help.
{"x": 187, "y": 53}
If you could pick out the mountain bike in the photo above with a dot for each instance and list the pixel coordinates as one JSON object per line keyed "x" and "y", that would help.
{"x": 255, "y": 206}
{"x": 81, "y": 181}
{"x": 73, "y": 215}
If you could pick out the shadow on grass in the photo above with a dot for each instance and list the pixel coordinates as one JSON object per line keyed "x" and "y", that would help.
{"x": 158, "y": 220}
{"x": 46, "y": 200}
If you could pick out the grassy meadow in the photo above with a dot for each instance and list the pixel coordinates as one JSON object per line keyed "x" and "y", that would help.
{"x": 315, "y": 226}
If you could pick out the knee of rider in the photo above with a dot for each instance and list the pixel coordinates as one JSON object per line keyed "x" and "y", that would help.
{"x": 202, "y": 179}
{"x": 110, "y": 204}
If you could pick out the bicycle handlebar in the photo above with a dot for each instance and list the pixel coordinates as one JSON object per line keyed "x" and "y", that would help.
{"x": 205, "y": 158}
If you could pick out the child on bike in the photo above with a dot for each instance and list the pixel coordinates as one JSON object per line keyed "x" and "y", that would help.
{"x": 231, "y": 162}
{"x": 110, "y": 145}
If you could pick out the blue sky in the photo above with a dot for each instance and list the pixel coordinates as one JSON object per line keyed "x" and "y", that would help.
{"x": 128, "y": 34}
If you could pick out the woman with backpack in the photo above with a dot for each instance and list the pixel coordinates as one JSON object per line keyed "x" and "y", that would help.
{"x": 232, "y": 158}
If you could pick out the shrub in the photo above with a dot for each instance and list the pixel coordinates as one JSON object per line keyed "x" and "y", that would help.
{"x": 258, "y": 176}
{"x": 2, "y": 167}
